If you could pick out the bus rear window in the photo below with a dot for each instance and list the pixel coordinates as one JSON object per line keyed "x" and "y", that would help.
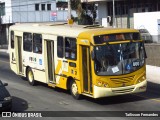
{"x": 116, "y": 37}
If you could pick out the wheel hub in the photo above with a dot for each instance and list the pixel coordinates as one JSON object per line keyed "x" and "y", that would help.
{"x": 30, "y": 76}
{"x": 74, "y": 88}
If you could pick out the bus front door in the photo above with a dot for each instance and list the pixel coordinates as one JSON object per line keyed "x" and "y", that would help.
{"x": 19, "y": 55}
{"x": 50, "y": 60}
{"x": 86, "y": 70}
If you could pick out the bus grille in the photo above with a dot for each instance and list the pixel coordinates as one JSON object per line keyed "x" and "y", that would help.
{"x": 123, "y": 90}
{"x": 123, "y": 80}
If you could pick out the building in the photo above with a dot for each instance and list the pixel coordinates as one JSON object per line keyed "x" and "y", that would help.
{"x": 124, "y": 10}
{"x": 31, "y": 11}
{"x": 20, "y": 11}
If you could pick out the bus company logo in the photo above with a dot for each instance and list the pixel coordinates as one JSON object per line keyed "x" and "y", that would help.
{"x": 6, "y": 114}
{"x": 27, "y": 114}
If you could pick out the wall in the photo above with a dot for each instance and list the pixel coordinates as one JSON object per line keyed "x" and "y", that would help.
{"x": 102, "y": 11}
{"x": 7, "y": 18}
{"x": 121, "y": 21}
{"x": 3, "y": 35}
{"x": 153, "y": 54}
{"x": 149, "y": 21}
{"x": 24, "y": 11}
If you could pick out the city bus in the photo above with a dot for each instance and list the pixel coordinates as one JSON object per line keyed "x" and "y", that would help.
{"x": 93, "y": 61}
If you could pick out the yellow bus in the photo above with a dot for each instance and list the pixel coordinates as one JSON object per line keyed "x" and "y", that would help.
{"x": 87, "y": 60}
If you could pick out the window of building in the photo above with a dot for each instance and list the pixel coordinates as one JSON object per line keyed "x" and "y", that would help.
{"x": 36, "y": 7}
{"x": 12, "y": 39}
{"x": 37, "y": 43}
{"x": 60, "y": 47}
{"x": 2, "y": 9}
{"x": 158, "y": 5}
{"x": 48, "y": 6}
{"x": 43, "y": 6}
{"x": 62, "y": 5}
{"x": 70, "y": 48}
{"x": 27, "y": 42}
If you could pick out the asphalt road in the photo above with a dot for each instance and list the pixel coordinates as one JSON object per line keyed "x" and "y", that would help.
{"x": 44, "y": 98}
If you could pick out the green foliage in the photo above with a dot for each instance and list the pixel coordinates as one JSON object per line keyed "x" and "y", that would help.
{"x": 82, "y": 11}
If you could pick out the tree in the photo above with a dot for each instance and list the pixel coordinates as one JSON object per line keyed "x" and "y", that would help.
{"x": 84, "y": 18}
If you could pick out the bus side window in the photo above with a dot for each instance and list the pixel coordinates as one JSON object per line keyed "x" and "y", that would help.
{"x": 60, "y": 47}
{"x": 12, "y": 39}
{"x": 27, "y": 42}
{"x": 37, "y": 43}
{"x": 70, "y": 48}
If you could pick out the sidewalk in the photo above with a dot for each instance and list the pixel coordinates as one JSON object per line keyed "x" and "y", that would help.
{"x": 152, "y": 72}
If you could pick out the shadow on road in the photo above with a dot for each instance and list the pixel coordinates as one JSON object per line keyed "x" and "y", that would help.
{"x": 154, "y": 88}
{"x": 153, "y": 92}
{"x": 19, "y": 104}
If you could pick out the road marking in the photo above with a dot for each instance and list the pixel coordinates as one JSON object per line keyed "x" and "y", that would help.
{"x": 148, "y": 98}
{"x": 4, "y": 61}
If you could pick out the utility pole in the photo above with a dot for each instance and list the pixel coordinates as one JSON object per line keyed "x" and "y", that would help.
{"x": 69, "y": 9}
{"x": 70, "y": 21}
{"x": 114, "y": 22}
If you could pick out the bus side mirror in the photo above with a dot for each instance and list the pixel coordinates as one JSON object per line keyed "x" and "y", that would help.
{"x": 93, "y": 55}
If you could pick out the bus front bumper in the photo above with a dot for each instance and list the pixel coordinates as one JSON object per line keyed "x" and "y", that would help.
{"x": 105, "y": 92}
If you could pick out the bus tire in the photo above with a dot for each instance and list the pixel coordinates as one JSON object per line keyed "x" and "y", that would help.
{"x": 30, "y": 77}
{"x": 74, "y": 90}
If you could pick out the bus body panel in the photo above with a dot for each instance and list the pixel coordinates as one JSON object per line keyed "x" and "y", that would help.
{"x": 59, "y": 72}
{"x": 106, "y": 92}
{"x": 14, "y": 53}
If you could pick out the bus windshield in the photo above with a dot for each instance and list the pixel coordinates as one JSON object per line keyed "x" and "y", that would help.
{"x": 118, "y": 59}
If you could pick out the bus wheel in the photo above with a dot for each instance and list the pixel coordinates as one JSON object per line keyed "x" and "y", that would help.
{"x": 74, "y": 90}
{"x": 30, "y": 77}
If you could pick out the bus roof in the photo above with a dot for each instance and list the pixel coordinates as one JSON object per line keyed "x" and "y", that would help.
{"x": 67, "y": 30}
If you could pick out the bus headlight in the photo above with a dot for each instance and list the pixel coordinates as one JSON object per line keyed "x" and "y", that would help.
{"x": 102, "y": 84}
{"x": 141, "y": 79}
{"x": 99, "y": 83}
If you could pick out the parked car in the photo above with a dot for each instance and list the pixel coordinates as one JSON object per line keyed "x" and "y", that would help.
{"x": 5, "y": 98}
{"x": 146, "y": 36}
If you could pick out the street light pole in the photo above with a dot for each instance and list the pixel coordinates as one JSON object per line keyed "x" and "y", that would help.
{"x": 114, "y": 23}
{"x": 69, "y": 9}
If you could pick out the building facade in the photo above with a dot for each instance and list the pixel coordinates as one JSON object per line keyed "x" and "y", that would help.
{"x": 22, "y": 11}
{"x": 14, "y": 11}
{"x": 124, "y": 10}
